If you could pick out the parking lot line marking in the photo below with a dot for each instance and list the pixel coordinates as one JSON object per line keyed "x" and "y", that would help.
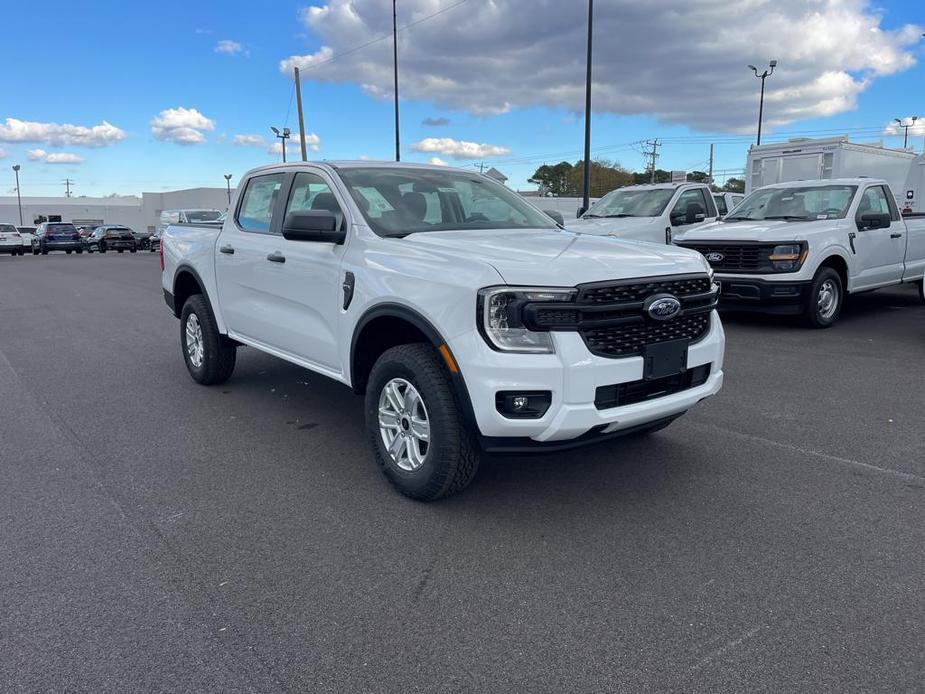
{"x": 906, "y": 476}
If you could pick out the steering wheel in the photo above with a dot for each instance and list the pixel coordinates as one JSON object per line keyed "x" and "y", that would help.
{"x": 477, "y": 217}
{"x": 831, "y": 210}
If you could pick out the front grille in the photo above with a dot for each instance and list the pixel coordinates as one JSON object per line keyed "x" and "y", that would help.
{"x": 611, "y": 317}
{"x": 621, "y": 394}
{"x": 629, "y": 340}
{"x": 736, "y": 257}
{"x": 639, "y": 291}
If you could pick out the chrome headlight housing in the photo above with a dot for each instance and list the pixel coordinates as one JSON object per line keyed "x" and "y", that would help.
{"x": 500, "y": 317}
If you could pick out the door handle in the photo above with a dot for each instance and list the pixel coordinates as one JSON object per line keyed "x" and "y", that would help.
{"x": 896, "y": 236}
{"x": 276, "y": 258}
{"x": 228, "y": 250}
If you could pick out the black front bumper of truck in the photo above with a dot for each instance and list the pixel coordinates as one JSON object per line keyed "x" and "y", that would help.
{"x": 747, "y": 294}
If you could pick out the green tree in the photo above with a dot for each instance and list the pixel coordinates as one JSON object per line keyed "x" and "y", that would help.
{"x": 661, "y": 176}
{"x": 734, "y": 185}
{"x": 605, "y": 176}
{"x": 698, "y": 177}
{"x": 555, "y": 178}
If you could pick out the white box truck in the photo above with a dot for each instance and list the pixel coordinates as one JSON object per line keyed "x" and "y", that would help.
{"x": 805, "y": 159}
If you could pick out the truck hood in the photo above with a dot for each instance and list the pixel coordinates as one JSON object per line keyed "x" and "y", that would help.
{"x": 620, "y": 227}
{"x": 559, "y": 258}
{"x": 771, "y": 230}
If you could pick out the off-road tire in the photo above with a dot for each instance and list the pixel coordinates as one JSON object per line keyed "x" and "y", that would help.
{"x": 453, "y": 452}
{"x": 219, "y": 353}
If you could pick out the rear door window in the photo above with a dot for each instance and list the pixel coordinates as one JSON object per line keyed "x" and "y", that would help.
{"x": 256, "y": 210}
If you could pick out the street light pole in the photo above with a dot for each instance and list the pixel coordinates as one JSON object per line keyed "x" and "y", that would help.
{"x": 763, "y": 76}
{"x": 395, "y": 67}
{"x": 906, "y": 127}
{"x": 228, "y": 183}
{"x": 282, "y": 136}
{"x": 18, "y": 197}
{"x": 586, "y": 183}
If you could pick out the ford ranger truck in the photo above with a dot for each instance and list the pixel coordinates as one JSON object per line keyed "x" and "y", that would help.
{"x": 468, "y": 319}
{"x": 653, "y": 213}
{"x": 800, "y": 248}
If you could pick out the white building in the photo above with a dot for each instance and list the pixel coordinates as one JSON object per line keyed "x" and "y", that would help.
{"x": 132, "y": 211}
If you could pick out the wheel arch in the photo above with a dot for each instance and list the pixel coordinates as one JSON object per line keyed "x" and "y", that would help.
{"x": 390, "y": 324}
{"x": 186, "y": 282}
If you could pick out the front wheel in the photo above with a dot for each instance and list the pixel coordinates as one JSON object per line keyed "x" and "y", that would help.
{"x": 209, "y": 355}
{"x": 415, "y": 424}
{"x": 826, "y": 296}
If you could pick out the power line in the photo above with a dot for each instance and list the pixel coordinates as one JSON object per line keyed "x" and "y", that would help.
{"x": 403, "y": 27}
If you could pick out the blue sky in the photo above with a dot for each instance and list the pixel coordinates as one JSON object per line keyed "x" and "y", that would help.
{"x": 126, "y": 62}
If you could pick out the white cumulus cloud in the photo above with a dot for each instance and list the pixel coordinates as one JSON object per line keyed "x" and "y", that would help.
{"x": 680, "y": 61}
{"x": 184, "y": 126}
{"x": 15, "y": 130}
{"x": 53, "y": 157}
{"x": 63, "y": 158}
{"x": 437, "y": 161}
{"x": 249, "y": 141}
{"x": 458, "y": 149}
{"x": 312, "y": 143}
{"x": 228, "y": 47}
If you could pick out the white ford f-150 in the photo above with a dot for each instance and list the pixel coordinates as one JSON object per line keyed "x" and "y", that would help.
{"x": 470, "y": 320}
{"x": 648, "y": 212}
{"x": 799, "y": 247}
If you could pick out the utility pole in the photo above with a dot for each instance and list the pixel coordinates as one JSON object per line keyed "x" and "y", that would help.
{"x": 652, "y": 155}
{"x": 395, "y": 66}
{"x": 763, "y": 76}
{"x": 18, "y": 197}
{"x": 228, "y": 183}
{"x": 67, "y": 187}
{"x": 298, "y": 98}
{"x": 710, "y": 172}
{"x": 586, "y": 183}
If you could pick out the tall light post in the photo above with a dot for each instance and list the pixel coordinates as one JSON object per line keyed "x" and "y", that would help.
{"x": 906, "y": 126}
{"x": 283, "y": 136}
{"x": 586, "y": 183}
{"x": 18, "y": 197}
{"x": 762, "y": 76}
{"x": 395, "y": 67}
{"x": 228, "y": 183}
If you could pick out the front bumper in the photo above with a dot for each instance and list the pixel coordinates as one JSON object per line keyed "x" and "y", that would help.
{"x": 573, "y": 375}
{"x": 766, "y": 296}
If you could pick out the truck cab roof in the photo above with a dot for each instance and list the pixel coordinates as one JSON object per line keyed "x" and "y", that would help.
{"x": 823, "y": 182}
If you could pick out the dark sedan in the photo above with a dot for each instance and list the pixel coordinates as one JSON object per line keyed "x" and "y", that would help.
{"x": 111, "y": 238}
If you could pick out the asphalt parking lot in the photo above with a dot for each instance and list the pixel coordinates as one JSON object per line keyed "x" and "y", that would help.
{"x": 158, "y": 535}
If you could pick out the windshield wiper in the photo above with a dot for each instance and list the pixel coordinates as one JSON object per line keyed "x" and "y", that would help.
{"x": 622, "y": 214}
{"x": 788, "y": 217}
{"x": 741, "y": 219}
{"x": 591, "y": 216}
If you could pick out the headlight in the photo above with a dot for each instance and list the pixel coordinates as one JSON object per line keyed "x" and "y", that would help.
{"x": 788, "y": 257}
{"x": 500, "y": 317}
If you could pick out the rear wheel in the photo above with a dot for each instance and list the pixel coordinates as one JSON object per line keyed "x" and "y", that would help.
{"x": 826, "y": 296}
{"x": 209, "y": 355}
{"x": 79, "y": 251}
{"x": 415, "y": 424}
{"x": 67, "y": 251}
{"x": 133, "y": 250}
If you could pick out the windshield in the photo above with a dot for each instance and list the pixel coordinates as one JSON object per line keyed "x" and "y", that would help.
{"x": 795, "y": 204}
{"x": 7, "y": 229}
{"x": 400, "y": 201}
{"x": 628, "y": 202}
{"x": 203, "y": 215}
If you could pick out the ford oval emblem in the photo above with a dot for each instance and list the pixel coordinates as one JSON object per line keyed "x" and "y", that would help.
{"x": 663, "y": 307}
{"x": 715, "y": 257}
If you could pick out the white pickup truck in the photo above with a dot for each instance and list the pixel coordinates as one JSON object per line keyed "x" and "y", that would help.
{"x": 800, "y": 247}
{"x": 648, "y": 212}
{"x": 470, "y": 320}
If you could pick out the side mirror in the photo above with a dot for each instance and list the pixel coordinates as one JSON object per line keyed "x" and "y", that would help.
{"x": 555, "y": 216}
{"x": 581, "y": 211}
{"x": 695, "y": 213}
{"x": 313, "y": 225}
{"x": 874, "y": 220}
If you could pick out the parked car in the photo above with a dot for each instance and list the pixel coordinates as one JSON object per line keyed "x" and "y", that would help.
{"x": 10, "y": 240}
{"x": 111, "y": 237}
{"x": 648, "y": 212}
{"x": 28, "y": 236}
{"x": 57, "y": 236}
{"x": 726, "y": 202}
{"x": 493, "y": 330}
{"x": 799, "y": 248}
{"x": 154, "y": 243}
{"x": 142, "y": 239}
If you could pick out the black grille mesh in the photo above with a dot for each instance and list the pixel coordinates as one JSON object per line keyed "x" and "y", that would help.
{"x": 632, "y": 338}
{"x": 619, "y": 293}
{"x": 751, "y": 257}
